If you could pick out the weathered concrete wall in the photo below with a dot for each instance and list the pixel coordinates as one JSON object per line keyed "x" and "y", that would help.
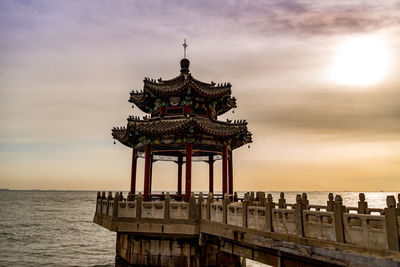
{"x": 167, "y": 251}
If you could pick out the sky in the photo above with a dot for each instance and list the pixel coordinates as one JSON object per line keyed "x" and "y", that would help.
{"x": 67, "y": 67}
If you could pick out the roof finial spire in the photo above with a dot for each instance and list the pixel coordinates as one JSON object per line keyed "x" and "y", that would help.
{"x": 184, "y": 48}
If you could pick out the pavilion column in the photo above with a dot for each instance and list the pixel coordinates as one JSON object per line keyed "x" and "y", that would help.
{"x": 180, "y": 163}
{"x": 151, "y": 172}
{"x": 189, "y": 147}
{"x": 211, "y": 173}
{"x": 230, "y": 173}
{"x": 133, "y": 172}
{"x": 224, "y": 169}
{"x": 147, "y": 172}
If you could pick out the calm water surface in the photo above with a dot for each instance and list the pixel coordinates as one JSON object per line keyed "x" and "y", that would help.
{"x": 55, "y": 228}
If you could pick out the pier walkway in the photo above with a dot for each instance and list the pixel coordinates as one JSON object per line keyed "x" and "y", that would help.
{"x": 220, "y": 232}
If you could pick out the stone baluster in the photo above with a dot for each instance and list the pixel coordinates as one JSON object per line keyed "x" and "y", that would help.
{"x": 210, "y": 200}
{"x": 251, "y": 199}
{"x": 109, "y": 198}
{"x": 362, "y": 204}
{"x": 200, "y": 204}
{"x": 115, "y": 206}
{"x": 98, "y": 199}
{"x": 235, "y": 197}
{"x": 131, "y": 197}
{"x": 262, "y": 200}
{"x": 103, "y": 196}
{"x": 330, "y": 203}
{"x": 269, "y": 206}
{"x": 392, "y": 228}
{"x": 305, "y": 201}
{"x": 139, "y": 201}
{"x": 282, "y": 201}
{"x": 167, "y": 202}
{"x": 225, "y": 204}
{"x": 338, "y": 210}
{"x": 398, "y": 203}
{"x": 192, "y": 207}
{"x": 299, "y": 215}
{"x": 245, "y": 204}
{"x": 121, "y": 196}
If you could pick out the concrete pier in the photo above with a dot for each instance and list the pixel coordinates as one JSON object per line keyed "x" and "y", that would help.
{"x": 218, "y": 232}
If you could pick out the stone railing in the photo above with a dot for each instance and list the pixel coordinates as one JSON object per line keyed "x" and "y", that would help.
{"x": 359, "y": 226}
{"x": 119, "y": 207}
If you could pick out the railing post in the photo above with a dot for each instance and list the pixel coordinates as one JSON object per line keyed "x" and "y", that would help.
{"x": 398, "y": 203}
{"x": 200, "y": 205}
{"x": 103, "y": 196}
{"x": 299, "y": 215}
{"x": 167, "y": 201}
{"x": 235, "y": 197}
{"x": 330, "y": 202}
{"x": 245, "y": 204}
{"x": 392, "y": 229}
{"x": 192, "y": 207}
{"x": 98, "y": 198}
{"x": 109, "y": 197}
{"x": 338, "y": 210}
{"x": 269, "y": 206}
{"x": 115, "y": 205}
{"x": 261, "y": 198}
{"x": 362, "y": 204}
{"x": 305, "y": 201}
{"x": 210, "y": 200}
{"x": 251, "y": 199}
{"x": 282, "y": 201}
{"x": 139, "y": 201}
{"x": 225, "y": 204}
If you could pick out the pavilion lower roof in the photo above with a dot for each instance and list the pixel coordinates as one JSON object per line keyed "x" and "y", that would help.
{"x": 169, "y": 125}
{"x": 179, "y": 125}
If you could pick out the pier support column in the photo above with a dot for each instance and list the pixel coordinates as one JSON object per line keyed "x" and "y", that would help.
{"x": 133, "y": 172}
{"x": 224, "y": 170}
{"x": 169, "y": 252}
{"x": 188, "y": 186}
{"x": 180, "y": 163}
{"x": 211, "y": 173}
{"x": 230, "y": 173}
{"x": 147, "y": 172}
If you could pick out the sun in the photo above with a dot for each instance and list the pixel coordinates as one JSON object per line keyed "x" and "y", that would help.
{"x": 360, "y": 61}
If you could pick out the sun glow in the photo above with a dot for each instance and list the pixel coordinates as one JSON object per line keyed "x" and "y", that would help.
{"x": 360, "y": 61}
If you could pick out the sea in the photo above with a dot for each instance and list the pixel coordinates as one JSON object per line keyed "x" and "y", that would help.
{"x": 55, "y": 228}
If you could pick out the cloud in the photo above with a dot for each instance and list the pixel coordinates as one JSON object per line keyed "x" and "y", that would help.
{"x": 348, "y": 114}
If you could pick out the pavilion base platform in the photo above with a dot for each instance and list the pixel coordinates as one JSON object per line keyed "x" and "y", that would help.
{"x": 147, "y": 250}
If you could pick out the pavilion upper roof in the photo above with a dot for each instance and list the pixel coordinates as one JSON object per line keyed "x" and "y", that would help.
{"x": 183, "y": 86}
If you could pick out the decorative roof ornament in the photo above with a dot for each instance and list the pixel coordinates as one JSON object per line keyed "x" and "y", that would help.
{"x": 184, "y": 48}
{"x": 185, "y": 62}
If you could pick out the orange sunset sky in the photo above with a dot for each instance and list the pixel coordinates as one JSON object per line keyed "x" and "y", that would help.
{"x": 318, "y": 82}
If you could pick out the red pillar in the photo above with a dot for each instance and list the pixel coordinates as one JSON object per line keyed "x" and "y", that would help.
{"x": 133, "y": 172}
{"x": 147, "y": 172}
{"x": 224, "y": 169}
{"x": 230, "y": 172}
{"x": 180, "y": 163}
{"x": 211, "y": 173}
{"x": 151, "y": 173}
{"x": 189, "y": 147}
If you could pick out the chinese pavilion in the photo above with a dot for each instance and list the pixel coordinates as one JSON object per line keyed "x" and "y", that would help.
{"x": 182, "y": 127}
